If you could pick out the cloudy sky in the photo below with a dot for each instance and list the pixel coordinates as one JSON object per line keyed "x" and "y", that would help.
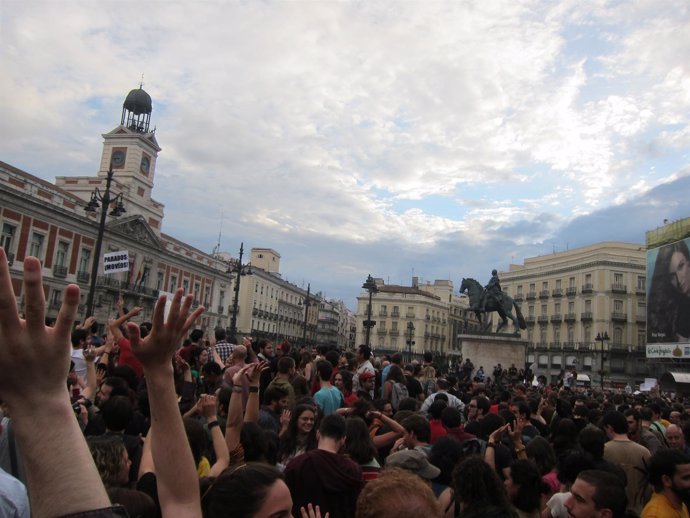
{"x": 427, "y": 138}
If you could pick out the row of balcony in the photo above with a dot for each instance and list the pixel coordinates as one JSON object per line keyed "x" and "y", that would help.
{"x": 586, "y": 316}
{"x": 586, "y": 346}
{"x": 260, "y": 313}
{"x": 572, "y": 291}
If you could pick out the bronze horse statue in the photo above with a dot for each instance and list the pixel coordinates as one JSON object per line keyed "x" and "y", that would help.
{"x": 505, "y": 310}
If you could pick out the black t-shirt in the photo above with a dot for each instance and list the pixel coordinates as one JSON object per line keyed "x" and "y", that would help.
{"x": 414, "y": 387}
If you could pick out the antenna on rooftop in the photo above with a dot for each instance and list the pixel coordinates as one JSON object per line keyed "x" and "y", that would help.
{"x": 216, "y": 248}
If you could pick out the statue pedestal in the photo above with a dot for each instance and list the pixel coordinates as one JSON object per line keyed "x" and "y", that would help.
{"x": 489, "y": 350}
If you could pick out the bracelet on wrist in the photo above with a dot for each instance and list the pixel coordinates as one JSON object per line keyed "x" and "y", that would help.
{"x": 213, "y": 424}
{"x": 253, "y": 389}
{"x": 237, "y": 390}
{"x": 490, "y": 444}
{"x": 520, "y": 449}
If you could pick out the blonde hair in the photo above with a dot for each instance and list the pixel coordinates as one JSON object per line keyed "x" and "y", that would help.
{"x": 397, "y": 494}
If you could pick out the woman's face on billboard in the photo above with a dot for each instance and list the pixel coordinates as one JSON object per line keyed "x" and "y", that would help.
{"x": 679, "y": 269}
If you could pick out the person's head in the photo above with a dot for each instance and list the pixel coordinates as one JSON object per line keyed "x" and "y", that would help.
{"x": 540, "y": 451}
{"x": 669, "y": 472}
{"x": 428, "y": 357}
{"x": 395, "y": 374}
{"x": 239, "y": 354}
{"x": 196, "y": 335}
{"x": 343, "y": 380}
{"x": 304, "y": 417}
{"x": 451, "y": 417}
{"x": 476, "y": 485}
{"x": 445, "y": 454}
{"x": 597, "y": 494}
{"x": 413, "y": 461}
{"x": 489, "y": 424}
{"x": 592, "y": 440}
{"x": 220, "y": 334}
{"x": 524, "y": 485}
{"x": 417, "y": 430}
{"x": 252, "y": 490}
{"x": 632, "y": 416}
{"x": 478, "y": 407}
{"x": 276, "y": 397}
{"x": 286, "y": 365}
{"x": 397, "y": 359}
{"x": 678, "y": 269}
{"x": 211, "y": 372}
{"x": 325, "y": 370}
{"x": 358, "y": 444}
{"x": 117, "y": 413}
{"x": 111, "y": 459}
{"x": 266, "y": 348}
{"x": 384, "y": 406}
{"x": 436, "y": 408}
{"x": 674, "y": 437}
{"x": 397, "y": 494}
{"x": 332, "y": 428}
{"x": 366, "y": 381}
{"x": 112, "y": 386}
{"x": 614, "y": 422}
{"x": 79, "y": 338}
{"x": 363, "y": 353}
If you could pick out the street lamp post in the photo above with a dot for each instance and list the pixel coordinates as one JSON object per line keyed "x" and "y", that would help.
{"x": 91, "y": 207}
{"x": 410, "y": 342}
{"x": 307, "y": 303}
{"x": 602, "y": 338}
{"x": 238, "y": 270}
{"x": 370, "y": 286}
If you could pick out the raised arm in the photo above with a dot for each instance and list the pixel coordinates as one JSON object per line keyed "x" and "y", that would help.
{"x": 209, "y": 410}
{"x": 251, "y": 413}
{"x": 233, "y": 426}
{"x": 34, "y": 362}
{"x": 176, "y": 477}
{"x": 114, "y": 325}
{"x": 91, "y": 376}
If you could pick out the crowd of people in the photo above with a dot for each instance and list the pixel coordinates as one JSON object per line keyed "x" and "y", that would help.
{"x": 164, "y": 419}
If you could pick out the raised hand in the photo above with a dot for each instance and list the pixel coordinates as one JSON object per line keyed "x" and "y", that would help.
{"x": 312, "y": 512}
{"x": 208, "y": 406}
{"x": 34, "y": 358}
{"x": 156, "y": 351}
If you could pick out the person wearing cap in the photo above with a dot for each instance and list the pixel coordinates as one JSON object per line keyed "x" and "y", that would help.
{"x": 363, "y": 365}
{"x": 416, "y": 462}
{"x": 366, "y": 385}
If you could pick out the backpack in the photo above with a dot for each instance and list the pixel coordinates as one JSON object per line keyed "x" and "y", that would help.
{"x": 398, "y": 393}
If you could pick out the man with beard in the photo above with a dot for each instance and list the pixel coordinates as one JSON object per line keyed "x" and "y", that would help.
{"x": 669, "y": 473}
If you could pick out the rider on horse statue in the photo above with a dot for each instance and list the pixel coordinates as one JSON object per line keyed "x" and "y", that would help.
{"x": 492, "y": 289}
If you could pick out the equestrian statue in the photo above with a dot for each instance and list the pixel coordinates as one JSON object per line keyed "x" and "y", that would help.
{"x": 489, "y": 299}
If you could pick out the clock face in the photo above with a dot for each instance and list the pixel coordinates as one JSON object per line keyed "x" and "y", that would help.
{"x": 145, "y": 164}
{"x": 118, "y": 158}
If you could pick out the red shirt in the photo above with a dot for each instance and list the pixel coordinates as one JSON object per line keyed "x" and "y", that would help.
{"x": 127, "y": 357}
{"x": 437, "y": 430}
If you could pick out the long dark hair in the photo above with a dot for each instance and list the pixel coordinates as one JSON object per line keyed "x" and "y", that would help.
{"x": 664, "y": 298}
{"x": 525, "y": 475}
{"x": 289, "y": 441}
{"x": 476, "y": 484}
{"x": 358, "y": 443}
{"x": 239, "y": 491}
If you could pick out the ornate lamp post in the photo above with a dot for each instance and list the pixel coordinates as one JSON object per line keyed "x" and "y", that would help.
{"x": 410, "y": 342}
{"x": 307, "y": 303}
{"x": 370, "y": 286}
{"x": 602, "y": 338}
{"x": 238, "y": 271}
{"x": 92, "y": 207}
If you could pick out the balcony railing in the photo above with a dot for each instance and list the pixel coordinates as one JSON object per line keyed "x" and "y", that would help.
{"x": 570, "y": 317}
{"x": 529, "y": 320}
{"x": 543, "y": 319}
{"x": 558, "y": 292}
{"x": 640, "y": 290}
{"x": 383, "y": 313}
{"x": 220, "y": 309}
{"x": 409, "y": 315}
{"x": 544, "y": 294}
{"x": 571, "y": 291}
{"x": 83, "y": 277}
{"x": 587, "y": 315}
{"x": 381, "y": 331}
{"x": 394, "y": 332}
{"x": 618, "y": 316}
{"x": 640, "y": 318}
{"x": 619, "y": 288}
{"x": 59, "y": 271}
{"x": 519, "y": 297}
{"x": 10, "y": 258}
{"x": 395, "y": 314}
{"x": 531, "y": 295}
{"x": 588, "y": 288}
{"x": 557, "y": 318}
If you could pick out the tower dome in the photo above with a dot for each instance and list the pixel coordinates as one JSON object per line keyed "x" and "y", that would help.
{"x": 136, "y": 110}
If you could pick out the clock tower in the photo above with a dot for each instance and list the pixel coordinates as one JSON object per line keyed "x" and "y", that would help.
{"x": 131, "y": 151}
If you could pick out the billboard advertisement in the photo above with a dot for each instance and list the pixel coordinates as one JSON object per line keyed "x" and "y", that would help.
{"x": 668, "y": 297}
